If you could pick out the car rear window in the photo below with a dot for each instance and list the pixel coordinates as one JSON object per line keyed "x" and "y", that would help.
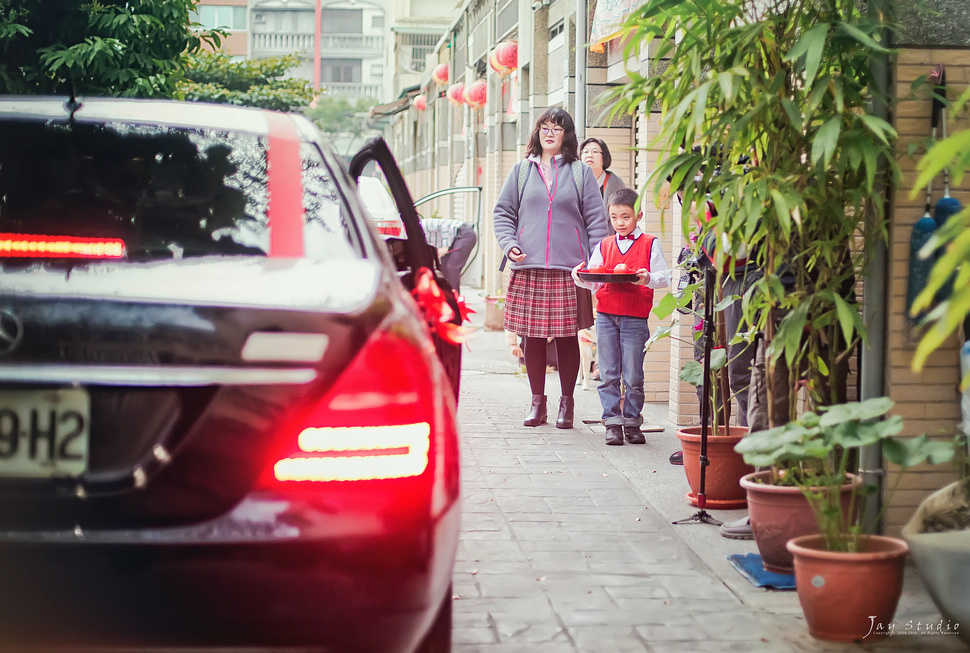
{"x": 163, "y": 193}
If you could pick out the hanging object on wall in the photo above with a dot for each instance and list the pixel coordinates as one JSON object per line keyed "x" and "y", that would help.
{"x": 476, "y": 94}
{"x": 420, "y": 102}
{"x": 440, "y": 74}
{"x": 456, "y": 94}
{"x": 504, "y": 57}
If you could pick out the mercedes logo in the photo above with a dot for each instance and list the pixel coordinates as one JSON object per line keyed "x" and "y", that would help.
{"x": 11, "y": 332}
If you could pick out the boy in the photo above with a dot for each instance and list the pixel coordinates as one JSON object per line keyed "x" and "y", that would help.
{"x": 621, "y": 319}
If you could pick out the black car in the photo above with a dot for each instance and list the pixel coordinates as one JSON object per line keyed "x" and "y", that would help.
{"x": 224, "y": 417}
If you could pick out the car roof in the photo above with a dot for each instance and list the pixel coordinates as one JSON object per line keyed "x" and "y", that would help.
{"x": 169, "y": 113}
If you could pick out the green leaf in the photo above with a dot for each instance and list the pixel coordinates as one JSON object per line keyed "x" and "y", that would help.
{"x": 693, "y": 373}
{"x": 665, "y": 306}
{"x": 907, "y": 452}
{"x": 847, "y": 316}
{"x": 811, "y": 44}
{"x": 862, "y": 38}
{"x": 826, "y": 139}
{"x": 719, "y": 358}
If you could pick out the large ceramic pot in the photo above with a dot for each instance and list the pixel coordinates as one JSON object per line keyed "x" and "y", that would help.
{"x": 942, "y": 557}
{"x": 849, "y": 597}
{"x": 779, "y": 513}
{"x": 722, "y": 479}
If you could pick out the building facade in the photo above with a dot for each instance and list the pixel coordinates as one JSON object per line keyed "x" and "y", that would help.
{"x": 230, "y": 15}
{"x": 448, "y": 144}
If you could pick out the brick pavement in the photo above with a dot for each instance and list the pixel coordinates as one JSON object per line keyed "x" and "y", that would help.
{"x": 567, "y": 545}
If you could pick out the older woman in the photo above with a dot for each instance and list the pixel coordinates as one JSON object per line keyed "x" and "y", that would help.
{"x": 594, "y": 153}
{"x": 547, "y": 218}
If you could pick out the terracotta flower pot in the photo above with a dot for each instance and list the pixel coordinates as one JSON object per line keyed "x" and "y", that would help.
{"x": 849, "y": 597}
{"x": 779, "y": 513}
{"x": 722, "y": 487}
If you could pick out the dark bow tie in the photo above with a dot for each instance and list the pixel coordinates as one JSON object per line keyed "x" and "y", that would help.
{"x": 627, "y": 237}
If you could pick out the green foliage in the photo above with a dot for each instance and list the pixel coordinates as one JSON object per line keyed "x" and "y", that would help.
{"x": 214, "y": 77}
{"x": 813, "y": 451}
{"x": 339, "y": 115}
{"x": 787, "y": 86}
{"x": 136, "y": 48}
{"x": 953, "y": 239}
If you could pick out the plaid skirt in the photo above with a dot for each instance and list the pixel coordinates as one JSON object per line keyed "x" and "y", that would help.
{"x": 541, "y": 303}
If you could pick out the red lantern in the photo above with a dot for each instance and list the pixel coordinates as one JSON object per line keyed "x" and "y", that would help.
{"x": 476, "y": 93}
{"x": 456, "y": 94}
{"x": 420, "y": 102}
{"x": 440, "y": 74}
{"x": 504, "y": 58}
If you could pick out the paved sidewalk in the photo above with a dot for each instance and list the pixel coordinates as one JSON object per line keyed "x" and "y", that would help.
{"x": 567, "y": 544}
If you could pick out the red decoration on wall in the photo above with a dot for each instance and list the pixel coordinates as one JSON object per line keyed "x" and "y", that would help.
{"x": 476, "y": 94}
{"x": 456, "y": 94}
{"x": 420, "y": 102}
{"x": 504, "y": 58}
{"x": 440, "y": 74}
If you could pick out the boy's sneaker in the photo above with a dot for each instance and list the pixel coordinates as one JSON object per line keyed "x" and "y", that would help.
{"x": 614, "y": 434}
{"x": 634, "y": 435}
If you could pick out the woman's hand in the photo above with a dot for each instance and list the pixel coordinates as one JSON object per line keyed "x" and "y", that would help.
{"x": 516, "y": 254}
{"x": 644, "y": 277}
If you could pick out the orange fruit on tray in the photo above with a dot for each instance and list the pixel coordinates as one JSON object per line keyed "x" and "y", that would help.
{"x": 621, "y": 268}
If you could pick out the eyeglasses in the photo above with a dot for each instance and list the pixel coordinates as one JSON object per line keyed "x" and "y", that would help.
{"x": 591, "y": 152}
{"x": 553, "y": 131}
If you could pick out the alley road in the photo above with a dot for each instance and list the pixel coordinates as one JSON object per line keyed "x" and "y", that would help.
{"x": 568, "y": 544}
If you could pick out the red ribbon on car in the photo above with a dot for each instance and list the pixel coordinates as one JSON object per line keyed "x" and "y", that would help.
{"x": 431, "y": 298}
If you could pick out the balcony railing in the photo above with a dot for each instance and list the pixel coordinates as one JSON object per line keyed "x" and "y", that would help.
{"x": 283, "y": 43}
{"x": 351, "y": 89}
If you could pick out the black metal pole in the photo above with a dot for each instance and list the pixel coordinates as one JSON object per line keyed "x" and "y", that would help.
{"x": 702, "y": 515}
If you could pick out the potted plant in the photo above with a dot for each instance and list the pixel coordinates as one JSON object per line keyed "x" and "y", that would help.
{"x": 722, "y": 488}
{"x": 846, "y": 580}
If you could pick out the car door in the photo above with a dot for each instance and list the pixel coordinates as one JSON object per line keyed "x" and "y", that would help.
{"x": 410, "y": 251}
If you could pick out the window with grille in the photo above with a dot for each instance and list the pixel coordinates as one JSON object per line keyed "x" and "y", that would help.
{"x": 340, "y": 70}
{"x": 414, "y": 48}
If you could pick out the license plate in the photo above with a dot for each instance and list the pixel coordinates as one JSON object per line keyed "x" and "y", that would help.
{"x": 44, "y": 433}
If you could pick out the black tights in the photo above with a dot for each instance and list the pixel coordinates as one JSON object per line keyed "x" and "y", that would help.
{"x": 567, "y": 355}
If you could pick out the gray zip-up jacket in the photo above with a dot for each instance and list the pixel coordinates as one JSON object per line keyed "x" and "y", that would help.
{"x": 548, "y": 225}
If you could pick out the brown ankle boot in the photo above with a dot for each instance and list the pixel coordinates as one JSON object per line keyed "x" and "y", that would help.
{"x": 565, "y": 419}
{"x": 537, "y": 414}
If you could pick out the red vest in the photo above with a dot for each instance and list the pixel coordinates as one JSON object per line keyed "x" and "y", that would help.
{"x": 625, "y": 298}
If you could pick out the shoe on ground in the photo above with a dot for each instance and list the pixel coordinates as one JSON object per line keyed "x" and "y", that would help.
{"x": 676, "y": 458}
{"x": 634, "y": 435}
{"x": 739, "y": 529}
{"x": 614, "y": 435}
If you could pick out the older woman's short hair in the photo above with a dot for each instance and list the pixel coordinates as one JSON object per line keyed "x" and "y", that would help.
{"x": 607, "y": 157}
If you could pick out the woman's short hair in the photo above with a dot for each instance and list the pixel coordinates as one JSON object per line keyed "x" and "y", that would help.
{"x": 570, "y": 144}
{"x": 607, "y": 157}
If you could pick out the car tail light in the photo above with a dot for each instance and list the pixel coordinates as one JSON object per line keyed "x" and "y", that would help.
{"x": 376, "y": 422}
{"x": 31, "y": 245}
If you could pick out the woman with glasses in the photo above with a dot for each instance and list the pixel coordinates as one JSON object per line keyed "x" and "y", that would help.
{"x": 594, "y": 153}
{"x": 548, "y": 216}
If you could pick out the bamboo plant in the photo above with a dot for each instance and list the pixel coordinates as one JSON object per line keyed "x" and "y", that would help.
{"x": 787, "y": 85}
